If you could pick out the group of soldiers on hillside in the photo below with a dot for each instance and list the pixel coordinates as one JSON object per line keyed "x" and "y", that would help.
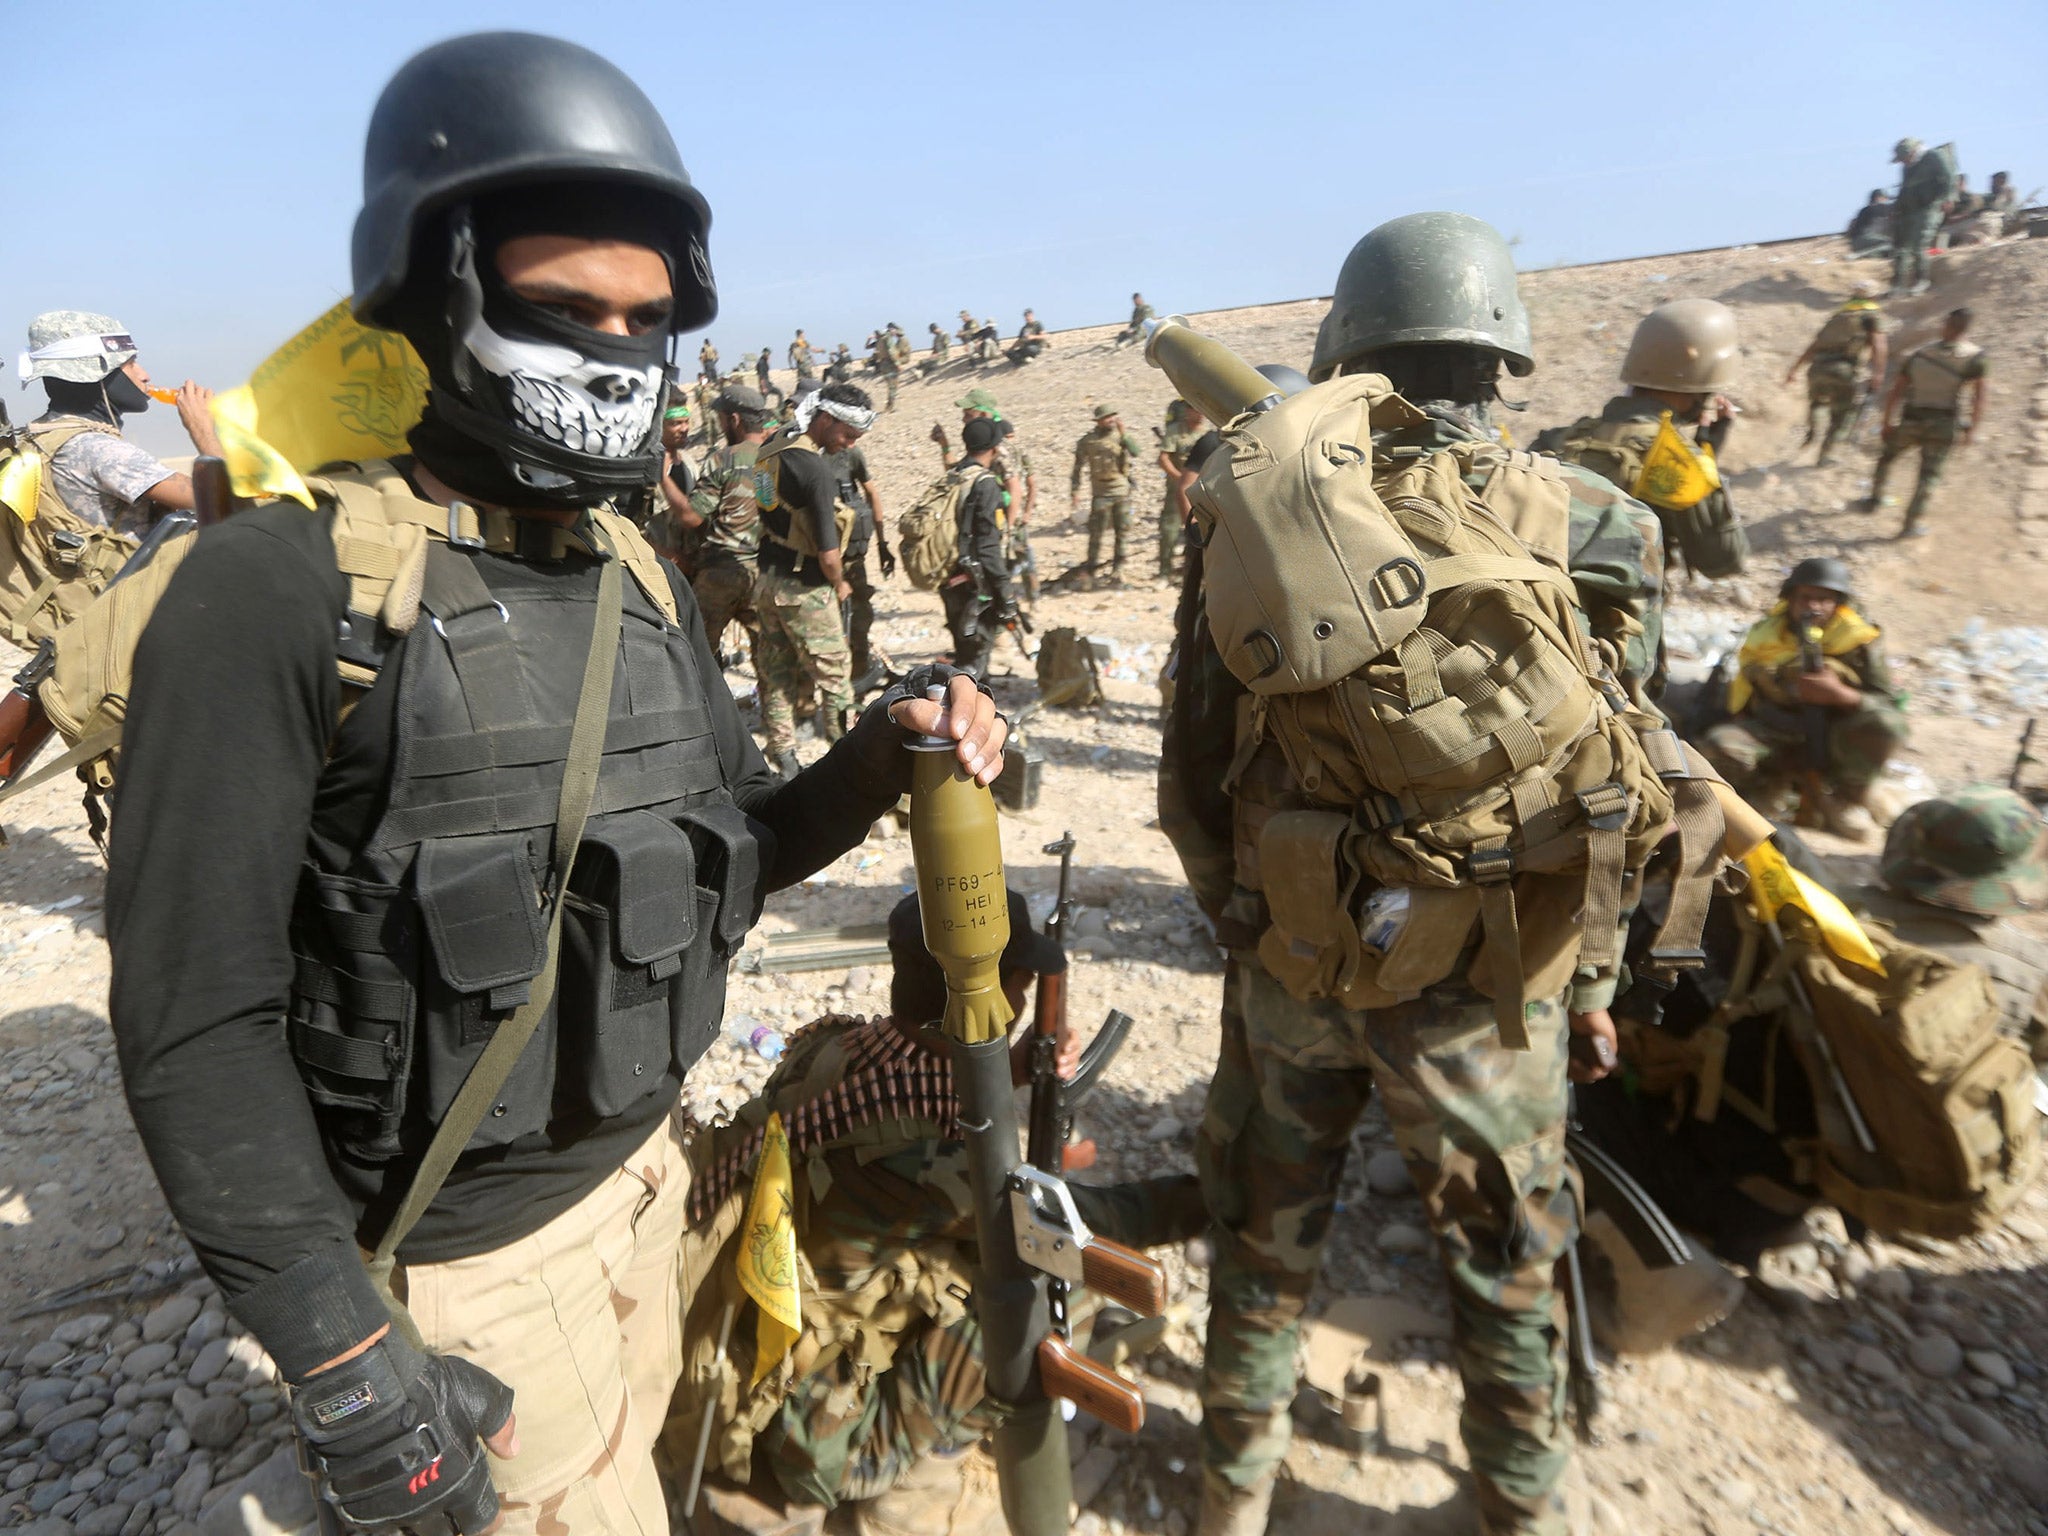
{"x": 443, "y": 945}
{"x": 1933, "y": 208}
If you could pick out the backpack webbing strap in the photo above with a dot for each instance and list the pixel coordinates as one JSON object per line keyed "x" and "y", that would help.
{"x": 1697, "y": 815}
{"x": 87, "y": 748}
{"x": 17, "y": 621}
{"x": 1503, "y": 949}
{"x": 1606, "y": 809}
{"x": 494, "y": 1066}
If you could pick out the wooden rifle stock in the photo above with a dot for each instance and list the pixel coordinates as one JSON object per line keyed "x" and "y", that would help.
{"x": 23, "y": 730}
{"x": 1124, "y": 1276}
{"x": 213, "y": 498}
{"x": 1064, "y": 1371}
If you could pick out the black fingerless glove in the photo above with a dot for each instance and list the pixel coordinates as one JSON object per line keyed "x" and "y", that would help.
{"x": 394, "y": 1435}
{"x": 877, "y": 741}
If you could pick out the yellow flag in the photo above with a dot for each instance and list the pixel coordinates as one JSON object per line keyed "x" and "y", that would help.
{"x": 1675, "y": 474}
{"x": 337, "y": 390}
{"x": 21, "y": 483}
{"x": 1775, "y": 885}
{"x": 767, "y": 1256}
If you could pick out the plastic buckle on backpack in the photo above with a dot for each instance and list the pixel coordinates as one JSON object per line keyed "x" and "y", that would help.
{"x": 1677, "y": 959}
{"x": 1605, "y": 807}
{"x": 1490, "y": 865}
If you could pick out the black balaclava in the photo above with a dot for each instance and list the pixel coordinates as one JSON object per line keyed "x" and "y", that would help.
{"x": 109, "y": 400}
{"x": 528, "y": 408}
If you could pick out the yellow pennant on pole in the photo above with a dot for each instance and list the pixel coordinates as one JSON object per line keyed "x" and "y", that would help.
{"x": 1676, "y": 475}
{"x": 767, "y": 1256}
{"x": 1775, "y": 885}
{"x": 337, "y": 390}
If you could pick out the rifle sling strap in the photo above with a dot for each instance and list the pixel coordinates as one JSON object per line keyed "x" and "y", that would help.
{"x": 88, "y": 747}
{"x": 579, "y": 785}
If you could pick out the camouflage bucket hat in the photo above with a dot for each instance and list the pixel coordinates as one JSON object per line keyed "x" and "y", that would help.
{"x": 977, "y": 400}
{"x": 1982, "y": 850}
{"x": 75, "y": 345}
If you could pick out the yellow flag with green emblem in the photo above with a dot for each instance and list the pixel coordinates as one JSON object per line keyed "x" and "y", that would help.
{"x": 1675, "y": 474}
{"x": 337, "y": 390}
{"x": 767, "y": 1255}
{"x": 1775, "y": 885}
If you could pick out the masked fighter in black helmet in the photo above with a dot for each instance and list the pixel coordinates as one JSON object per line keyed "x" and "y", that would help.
{"x": 437, "y": 829}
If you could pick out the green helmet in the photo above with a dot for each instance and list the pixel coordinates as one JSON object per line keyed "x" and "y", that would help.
{"x": 1425, "y": 277}
{"x": 1982, "y": 850}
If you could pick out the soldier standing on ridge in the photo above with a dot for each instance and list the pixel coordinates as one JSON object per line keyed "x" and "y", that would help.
{"x": 1926, "y": 183}
{"x": 1923, "y": 410}
{"x": 728, "y": 512}
{"x": 707, "y": 360}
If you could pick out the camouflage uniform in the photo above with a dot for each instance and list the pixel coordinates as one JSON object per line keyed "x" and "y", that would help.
{"x": 1174, "y": 443}
{"x": 891, "y": 1360}
{"x": 1480, "y": 1127}
{"x": 802, "y": 645}
{"x": 1835, "y": 378}
{"x": 1953, "y": 871}
{"x": 1763, "y": 748}
{"x": 886, "y": 365}
{"x": 1924, "y": 186}
{"x": 1935, "y": 376}
{"x": 942, "y": 350}
{"x": 1107, "y": 458}
{"x": 729, "y": 551}
{"x": 707, "y": 361}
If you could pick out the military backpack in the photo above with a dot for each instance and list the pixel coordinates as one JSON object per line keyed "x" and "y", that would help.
{"x": 928, "y": 534}
{"x": 52, "y": 561}
{"x": 1414, "y": 651}
{"x": 798, "y": 534}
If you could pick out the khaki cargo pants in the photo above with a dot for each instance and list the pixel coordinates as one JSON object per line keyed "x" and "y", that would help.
{"x": 583, "y": 1321}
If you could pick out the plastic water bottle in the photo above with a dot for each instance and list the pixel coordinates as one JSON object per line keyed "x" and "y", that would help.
{"x": 750, "y": 1034}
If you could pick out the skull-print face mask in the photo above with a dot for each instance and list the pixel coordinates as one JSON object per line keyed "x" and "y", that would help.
{"x": 530, "y": 407}
{"x": 597, "y": 394}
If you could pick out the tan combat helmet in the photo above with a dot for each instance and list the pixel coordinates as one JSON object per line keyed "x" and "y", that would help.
{"x": 1686, "y": 347}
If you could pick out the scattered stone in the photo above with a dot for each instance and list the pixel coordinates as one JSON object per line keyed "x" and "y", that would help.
{"x": 41, "y": 1357}
{"x": 1993, "y": 1367}
{"x": 1981, "y": 1427}
{"x": 1386, "y": 1174}
{"x": 213, "y": 1359}
{"x": 217, "y": 1423}
{"x": 191, "y": 1486}
{"x": 1873, "y": 1362}
{"x": 49, "y": 1525}
{"x": 73, "y": 1441}
{"x": 1892, "y": 1286}
{"x": 1399, "y": 1237}
{"x": 145, "y": 1360}
{"x": 169, "y": 1319}
{"x": 1737, "y": 1491}
{"x": 82, "y": 1329}
{"x": 107, "y": 1520}
{"x": 101, "y": 1239}
{"x": 1936, "y": 1355}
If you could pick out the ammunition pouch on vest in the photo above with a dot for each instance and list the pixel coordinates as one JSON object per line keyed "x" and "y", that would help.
{"x": 52, "y": 561}
{"x": 1417, "y": 658}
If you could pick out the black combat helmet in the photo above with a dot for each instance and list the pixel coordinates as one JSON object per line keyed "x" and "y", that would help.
{"x": 1426, "y": 277}
{"x": 1823, "y": 571}
{"x": 475, "y": 142}
{"x": 504, "y": 109}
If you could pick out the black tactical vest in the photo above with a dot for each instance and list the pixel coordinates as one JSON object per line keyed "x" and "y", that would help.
{"x": 409, "y": 957}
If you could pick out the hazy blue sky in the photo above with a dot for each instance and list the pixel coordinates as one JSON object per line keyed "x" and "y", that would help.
{"x": 192, "y": 167}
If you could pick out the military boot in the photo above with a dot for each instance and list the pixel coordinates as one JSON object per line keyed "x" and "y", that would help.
{"x": 950, "y": 1494}
{"x": 1638, "y": 1310}
{"x": 1228, "y": 1511}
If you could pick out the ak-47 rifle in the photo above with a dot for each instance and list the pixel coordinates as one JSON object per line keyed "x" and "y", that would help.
{"x": 1028, "y": 1230}
{"x": 1813, "y": 792}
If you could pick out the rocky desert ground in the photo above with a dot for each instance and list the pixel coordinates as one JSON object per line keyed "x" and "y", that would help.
{"x": 1882, "y": 1389}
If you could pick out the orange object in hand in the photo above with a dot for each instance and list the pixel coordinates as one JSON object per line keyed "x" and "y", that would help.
{"x": 163, "y": 396}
